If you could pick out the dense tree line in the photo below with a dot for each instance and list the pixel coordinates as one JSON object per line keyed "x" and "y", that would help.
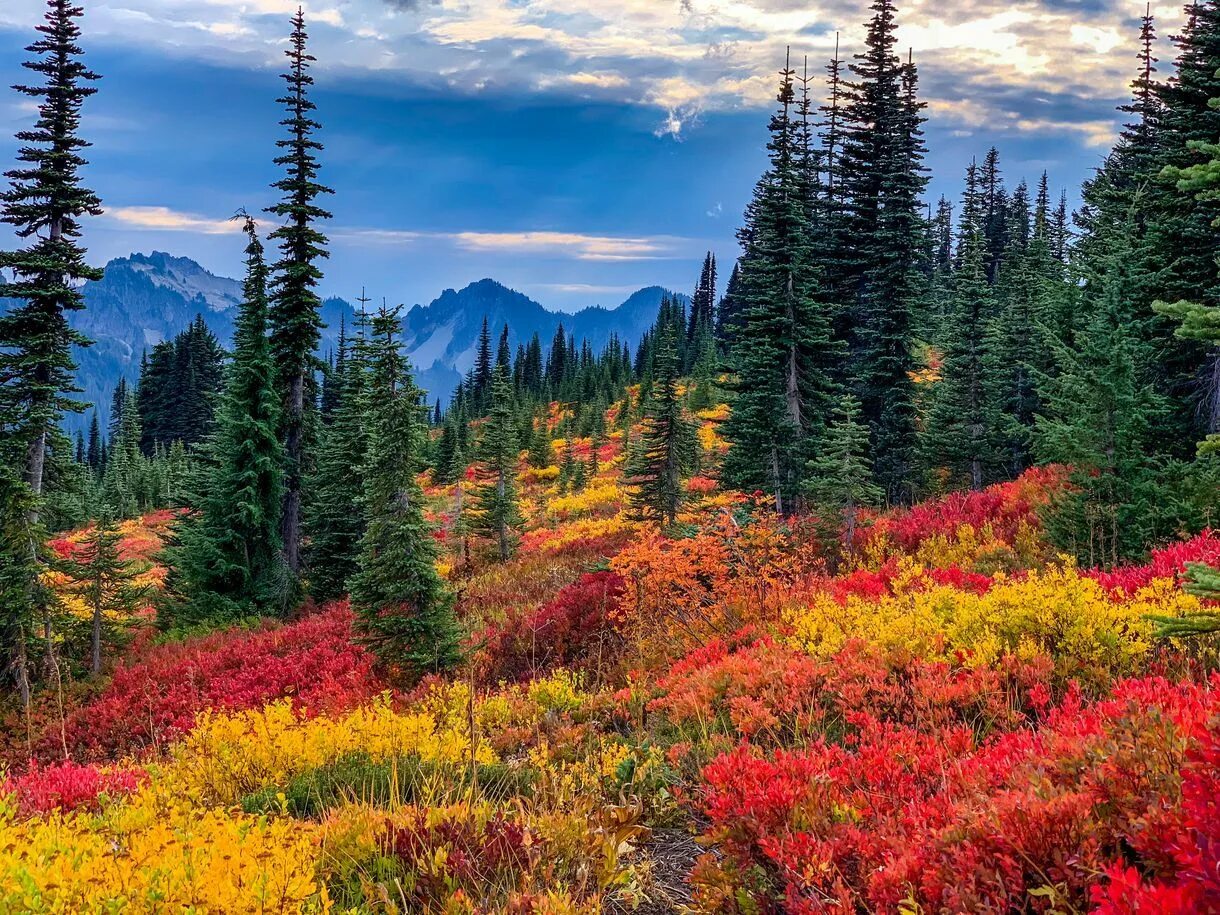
{"x": 966, "y": 350}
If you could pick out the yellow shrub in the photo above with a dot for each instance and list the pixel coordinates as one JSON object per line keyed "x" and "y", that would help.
{"x": 151, "y": 854}
{"x": 230, "y": 755}
{"x": 1056, "y": 612}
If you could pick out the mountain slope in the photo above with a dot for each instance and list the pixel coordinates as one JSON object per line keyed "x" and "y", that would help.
{"x": 144, "y": 299}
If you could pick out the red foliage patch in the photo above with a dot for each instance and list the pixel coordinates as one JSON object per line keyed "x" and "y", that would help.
{"x": 1167, "y": 562}
{"x": 68, "y": 786}
{"x": 902, "y": 813}
{"x": 156, "y": 698}
{"x": 563, "y": 632}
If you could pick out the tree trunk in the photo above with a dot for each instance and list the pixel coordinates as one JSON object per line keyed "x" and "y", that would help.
{"x": 97, "y": 639}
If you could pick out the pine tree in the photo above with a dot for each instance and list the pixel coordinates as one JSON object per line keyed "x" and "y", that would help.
{"x": 961, "y": 428}
{"x": 334, "y": 523}
{"x": 105, "y": 583}
{"x": 225, "y": 556}
{"x": 1098, "y": 414}
{"x": 124, "y": 483}
{"x": 93, "y": 450}
{"x": 295, "y": 314}
{"x": 495, "y": 513}
{"x": 784, "y": 351}
{"x": 404, "y": 612}
{"x": 664, "y": 455}
{"x": 882, "y": 179}
{"x": 840, "y": 479}
{"x": 44, "y": 203}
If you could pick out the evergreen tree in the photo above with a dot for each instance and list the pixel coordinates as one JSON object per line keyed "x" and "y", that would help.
{"x": 1098, "y": 414}
{"x": 224, "y": 558}
{"x": 495, "y": 513}
{"x": 334, "y": 523}
{"x": 105, "y": 584}
{"x": 125, "y": 481}
{"x": 784, "y": 353}
{"x": 295, "y": 315}
{"x": 961, "y": 429}
{"x": 882, "y": 179}
{"x": 44, "y": 203}
{"x": 664, "y": 455}
{"x": 840, "y": 480}
{"x": 404, "y": 612}
{"x": 94, "y": 448}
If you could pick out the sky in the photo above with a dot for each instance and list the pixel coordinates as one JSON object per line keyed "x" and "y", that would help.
{"x": 575, "y": 150}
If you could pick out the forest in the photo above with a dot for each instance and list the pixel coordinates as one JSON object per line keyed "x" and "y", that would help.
{"x": 879, "y": 576}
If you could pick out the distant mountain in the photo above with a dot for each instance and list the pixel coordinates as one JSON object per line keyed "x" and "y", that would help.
{"x": 443, "y": 337}
{"x": 144, "y": 299}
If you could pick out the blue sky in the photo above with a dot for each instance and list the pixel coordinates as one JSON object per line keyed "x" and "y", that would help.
{"x": 573, "y": 149}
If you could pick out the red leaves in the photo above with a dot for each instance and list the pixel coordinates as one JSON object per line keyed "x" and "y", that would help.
{"x": 562, "y": 632}
{"x": 68, "y": 786}
{"x": 1167, "y": 562}
{"x": 152, "y": 700}
{"x": 902, "y": 811}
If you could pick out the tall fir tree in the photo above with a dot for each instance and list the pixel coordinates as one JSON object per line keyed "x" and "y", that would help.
{"x": 840, "y": 479}
{"x": 44, "y": 204}
{"x": 334, "y": 521}
{"x": 784, "y": 353}
{"x": 404, "y": 611}
{"x": 106, "y": 584}
{"x": 960, "y": 432}
{"x": 495, "y": 513}
{"x": 225, "y": 558}
{"x": 664, "y": 454}
{"x": 295, "y": 314}
{"x": 882, "y": 180}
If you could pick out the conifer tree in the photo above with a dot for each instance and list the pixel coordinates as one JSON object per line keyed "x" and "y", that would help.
{"x": 1098, "y": 414}
{"x": 840, "y": 479}
{"x": 93, "y": 449}
{"x": 960, "y": 432}
{"x": 105, "y": 583}
{"x": 784, "y": 353}
{"x": 224, "y": 557}
{"x": 882, "y": 179}
{"x": 295, "y": 315}
{"x": 664, "y": 454}
{"x": 43, "y": 204}
{"x": 334, "y": 522}
{"x": 495, "y": 512}
{"x": 124, "y": 483}
{"x": 404, "y": 611}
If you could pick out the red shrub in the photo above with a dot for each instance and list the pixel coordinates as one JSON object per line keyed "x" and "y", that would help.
{"x": 152, "y": 700}
{"x": 930, "y": 817}
{"x": 67, "y": 786}
{"x": 564, "y": 632}
{"x": 1167, "y": 562}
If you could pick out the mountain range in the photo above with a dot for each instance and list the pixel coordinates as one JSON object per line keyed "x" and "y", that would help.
{"x": 144, "y": 299}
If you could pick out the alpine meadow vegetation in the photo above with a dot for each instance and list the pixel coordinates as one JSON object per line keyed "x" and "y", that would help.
{"x": 883, "y": 579}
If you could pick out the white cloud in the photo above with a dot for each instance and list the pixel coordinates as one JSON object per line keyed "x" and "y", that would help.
{"x": 163, "y": 219}
{"x": 681, "y": 57}
{"x": 574, "y": 245}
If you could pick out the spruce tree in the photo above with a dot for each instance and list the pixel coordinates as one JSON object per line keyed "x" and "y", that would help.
{"x": 882, "y": 179}
{"x": 105, "y": 583}
{"x": 495, "y": 512}
{"x": 225, "y": 556}
{"x": 43, "y": 204}
{"x": 404, "y": 611}
{"x": 334, "y": 522}
{"x": 295, "y": 314}
{"x": 784, "y": 352}
{"x": 125, "y": 480}
{"x": 960, "y": 433}
{"x": 664, "y": 454}
{"x": 840, "y": 480}
{"x": 1099, "y": 410}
